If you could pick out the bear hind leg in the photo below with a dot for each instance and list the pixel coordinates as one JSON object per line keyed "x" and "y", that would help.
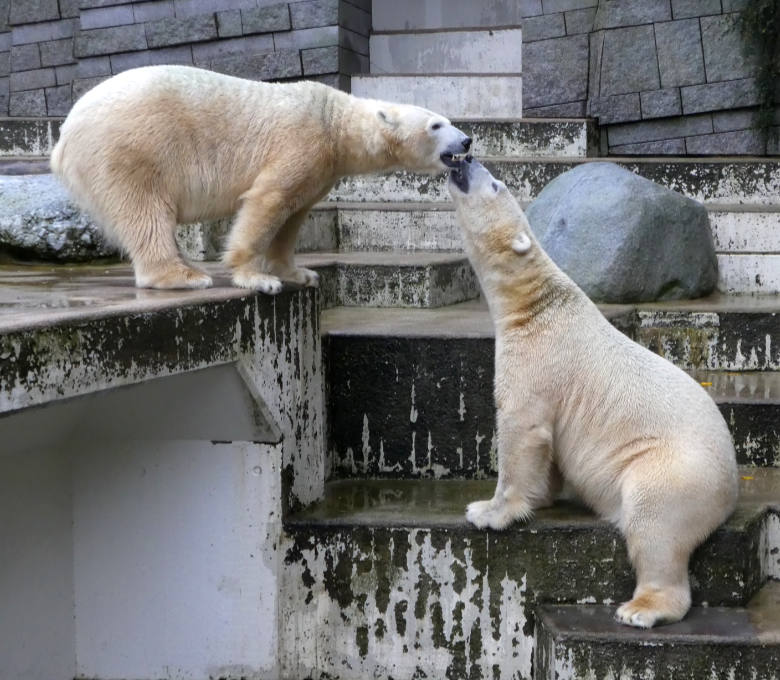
{"x": 662, "y": 593}
{"x": 663, "y": 521}
{"x": 149, "y": 239}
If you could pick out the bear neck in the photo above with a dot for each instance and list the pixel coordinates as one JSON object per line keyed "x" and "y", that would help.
{"x": 521, "y": 290}
{"x": 361, "y": 143}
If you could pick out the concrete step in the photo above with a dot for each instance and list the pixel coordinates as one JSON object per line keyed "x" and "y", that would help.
{"x": 719, "y": 643}
{"x": 408, "y": 15}
{"x": 725, "y": 181}
{"x": 387, "y": 579}
{"x": 369, "y": 279}
{"x": 28, "y": 136}
{"x": 426, "y": 410}
{"x": 32, "y": 139}
{"x": 447, "y": 52}
{"x": 533, "y": 137}
{"x": 455, "y": 96}
{"x": 736, "y": 229}
{"x": 747, "y": 238}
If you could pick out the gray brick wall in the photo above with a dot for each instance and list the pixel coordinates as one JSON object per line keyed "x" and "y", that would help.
{"x": 644, "y": 68}
{"x": 52, "y": 51}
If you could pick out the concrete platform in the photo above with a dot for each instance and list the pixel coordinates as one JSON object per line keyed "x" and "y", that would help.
{"x": 151, "y": 443}
{"x": 398, "y": 556}
{"x": 719, "y": 643}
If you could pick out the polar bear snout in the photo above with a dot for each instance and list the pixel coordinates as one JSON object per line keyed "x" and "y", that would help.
{"x": 452, "y": 143}
{"x": 467, "y": 174}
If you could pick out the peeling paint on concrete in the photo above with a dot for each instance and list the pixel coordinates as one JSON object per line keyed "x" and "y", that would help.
{"x": 398, "y": 556}
{"x": 28, "y": 136}
{"x": 277, "y": 339}
{"x": 770, "y": 546}
{"x": 725, "y": 182}
{"x": 447, "y": 615}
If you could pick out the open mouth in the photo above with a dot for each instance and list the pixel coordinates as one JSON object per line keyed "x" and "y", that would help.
{"x": 451, "y": 160}
{"x": 459, "y": 173}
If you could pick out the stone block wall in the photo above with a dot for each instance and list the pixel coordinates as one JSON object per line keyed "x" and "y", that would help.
{"x": 52, "y": 51}
{"x": 661, "y": 76}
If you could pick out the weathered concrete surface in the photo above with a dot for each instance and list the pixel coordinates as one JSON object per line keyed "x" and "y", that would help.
{"x": 79, "y": 331}
{"x": 71, "y": 331}
{"x": 450, "y": 52}
{"x": 623, "y": 238}
{"x": 532, "y": 137}
{"x": 28, "y": 136}
{"x": 459, "y": 96}
{"x": 386, "y": 579}
{"x": 715, "y": 642}
{"x": 426, "y": 410}
{"x": 389, "y": 279}
{"x": 726, "y": 180}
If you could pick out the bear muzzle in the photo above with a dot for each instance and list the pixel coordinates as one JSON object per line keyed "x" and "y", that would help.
{"x": 449, "y": 156}
{"x": 461, "y": 171}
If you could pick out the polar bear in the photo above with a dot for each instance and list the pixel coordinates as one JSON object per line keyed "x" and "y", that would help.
{"x": 631, "y": 434}
{"x": 161, "y": 145}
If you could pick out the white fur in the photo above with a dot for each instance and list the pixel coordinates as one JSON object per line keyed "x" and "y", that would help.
{"x": 636, "y": 438}
{"x": 161, "y": 145}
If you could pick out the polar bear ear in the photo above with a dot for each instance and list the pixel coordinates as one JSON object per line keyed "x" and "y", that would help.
{"x": 387, "y": 117}
{"x": 522, "y": 244}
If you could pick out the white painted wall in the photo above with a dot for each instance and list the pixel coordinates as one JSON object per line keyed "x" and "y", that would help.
{"x": 130, "y": 557}
{"x": 36, "y": 565}
{"x": 174, "y": 577}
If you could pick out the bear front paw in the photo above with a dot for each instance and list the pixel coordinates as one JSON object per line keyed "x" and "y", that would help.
{"x": 306, "y": 277}
{"x": 488, "y": 514}
{"x": 265, "y": 283}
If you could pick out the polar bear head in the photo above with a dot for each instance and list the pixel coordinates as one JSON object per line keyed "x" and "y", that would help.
{"x": 418, "y": 139}
{"x": 490, "y": 217}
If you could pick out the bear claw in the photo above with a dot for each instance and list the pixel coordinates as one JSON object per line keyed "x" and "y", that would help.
{"x": 265, "y": 283}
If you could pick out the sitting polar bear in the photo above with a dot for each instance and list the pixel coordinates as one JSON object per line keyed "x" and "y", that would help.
{"x": 161, "y": 145}
{"x": 632, "y": 435}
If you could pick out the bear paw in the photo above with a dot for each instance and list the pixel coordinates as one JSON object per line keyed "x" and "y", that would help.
{"x": 265, "y": 283}
{"x": 306, "y": 277}
{"x": 178, "y": 276}
{"x": 650, "y": 608}
{"x": 485, "y": 514}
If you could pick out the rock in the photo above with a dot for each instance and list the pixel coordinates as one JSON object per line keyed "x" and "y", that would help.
{"x": 623, "y": 238}
{"x": 37, "y": 220}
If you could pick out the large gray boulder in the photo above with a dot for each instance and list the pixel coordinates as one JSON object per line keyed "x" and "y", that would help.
{"x": 38, "y": 221}
{"x": 623, "y": 238}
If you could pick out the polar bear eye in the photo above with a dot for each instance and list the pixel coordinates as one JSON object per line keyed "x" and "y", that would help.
{"x": 436, "y": 126}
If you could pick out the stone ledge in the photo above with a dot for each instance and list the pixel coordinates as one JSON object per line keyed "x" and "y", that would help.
{"x": 720, "y": 642}
{"x": 418, "y": 561}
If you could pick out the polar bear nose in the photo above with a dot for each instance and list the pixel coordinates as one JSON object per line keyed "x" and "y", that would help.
{"x": 467, "y": 143}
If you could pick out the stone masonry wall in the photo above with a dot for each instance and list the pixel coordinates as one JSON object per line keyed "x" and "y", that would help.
{"x": 661, "y": 76}
{"x": 52, "y": 51}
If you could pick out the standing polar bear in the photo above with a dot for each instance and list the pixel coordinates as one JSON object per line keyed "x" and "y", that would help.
{"x": 633, "y": 436}
{"x": 161, "y": 145}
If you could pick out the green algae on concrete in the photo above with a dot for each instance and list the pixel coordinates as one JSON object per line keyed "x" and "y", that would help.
{"x": 719, "y": 643}
{"x": 398, "y": 555}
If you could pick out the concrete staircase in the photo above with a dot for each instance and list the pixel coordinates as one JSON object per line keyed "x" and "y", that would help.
{"x": 388, "y": 580}
{"x": 383, "y": 577}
